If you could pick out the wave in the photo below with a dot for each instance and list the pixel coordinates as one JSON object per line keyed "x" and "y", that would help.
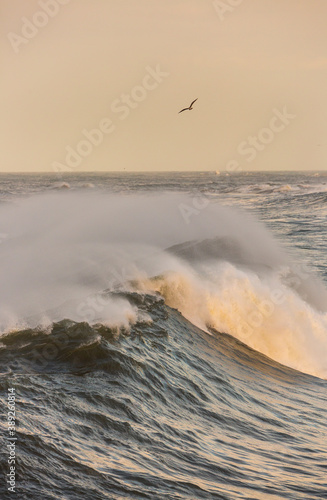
{"x": 61, "y": 185}
{"x": 264, "y": 314}
{"x": 218, "y": 266}
{"x": 277, "y": 188}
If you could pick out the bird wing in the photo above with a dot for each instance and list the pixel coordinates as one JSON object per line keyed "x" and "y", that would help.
{"x": 183, "y": 110}
{"x": 193, "y": 102}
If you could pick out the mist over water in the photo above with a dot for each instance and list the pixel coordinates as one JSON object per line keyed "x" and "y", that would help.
{"x": 217, "y": 265}
{"x": 150, "y": 325}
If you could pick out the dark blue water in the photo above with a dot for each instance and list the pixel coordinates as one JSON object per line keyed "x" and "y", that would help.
{"x": 165, "y": 336}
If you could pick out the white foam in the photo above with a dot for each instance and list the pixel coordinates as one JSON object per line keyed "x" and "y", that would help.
{"x": 63, "y": 248}
{"x": 263, "y": 313}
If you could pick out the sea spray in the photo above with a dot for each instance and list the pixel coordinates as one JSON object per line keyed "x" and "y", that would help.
{"x": 223, "y": 270}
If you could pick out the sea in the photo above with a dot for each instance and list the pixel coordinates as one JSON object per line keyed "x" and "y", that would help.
{"x": 163, "y": 336}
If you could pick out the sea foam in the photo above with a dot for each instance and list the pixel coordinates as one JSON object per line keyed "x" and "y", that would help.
{"x": 217, "y": 265}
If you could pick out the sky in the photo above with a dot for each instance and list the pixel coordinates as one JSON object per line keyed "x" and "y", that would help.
{"x": 97, "y": 85}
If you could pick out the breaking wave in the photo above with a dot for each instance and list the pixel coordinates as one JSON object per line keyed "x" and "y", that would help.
{"x": 70, "y": 254}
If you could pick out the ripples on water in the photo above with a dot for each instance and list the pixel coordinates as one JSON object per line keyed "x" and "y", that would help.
{"x": 156, "y": 407}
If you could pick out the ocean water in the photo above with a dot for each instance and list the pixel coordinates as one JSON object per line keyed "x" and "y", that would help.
{"x": 164, "y": 336}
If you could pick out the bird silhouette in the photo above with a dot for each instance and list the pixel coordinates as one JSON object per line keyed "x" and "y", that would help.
{"x": 190, "y": 107}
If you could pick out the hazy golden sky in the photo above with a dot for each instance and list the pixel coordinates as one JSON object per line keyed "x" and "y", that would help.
{"x": 97, "y": 85}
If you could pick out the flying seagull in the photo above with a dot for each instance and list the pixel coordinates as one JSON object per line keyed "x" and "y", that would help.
{"x": 190, "y": 107}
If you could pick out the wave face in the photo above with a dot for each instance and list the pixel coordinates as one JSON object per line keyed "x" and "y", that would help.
{"x": 220, "y": 268}
{"x": 168, "y": 344}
